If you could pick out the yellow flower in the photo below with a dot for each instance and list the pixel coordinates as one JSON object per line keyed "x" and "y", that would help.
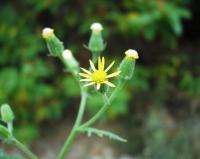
{"x": 98, "y": 76}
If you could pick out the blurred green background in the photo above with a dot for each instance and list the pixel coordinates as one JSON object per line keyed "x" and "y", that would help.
{"x": 160, "y": 105}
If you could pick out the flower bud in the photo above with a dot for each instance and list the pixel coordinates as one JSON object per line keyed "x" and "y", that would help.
{"x": 133, "y": 54}
{"x": 96, "y": 44}
{"x": 54, "y": 45}
{"x": 47, "y": 33}
{"x": 7, "y": 113}
{"x": 127, "y": 65}
{"x": 96, "y": 27}
{"x": 70, "y": 61}
{"x": 4, "y": 133}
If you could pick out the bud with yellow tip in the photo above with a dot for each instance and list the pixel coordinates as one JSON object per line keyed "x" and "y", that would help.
{"x": 127, "y": 65}
{"x": 96, "y": 44}
{"x": 47, "y": 33}
{"x": 55, "y": 46}
{"x": 132, "y": 54}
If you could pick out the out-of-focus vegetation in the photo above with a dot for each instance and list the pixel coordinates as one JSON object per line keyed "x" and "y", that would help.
{"x": 165, "y": 77}
{"x": 175, "y": 140}
{"x": 4, "y": 156}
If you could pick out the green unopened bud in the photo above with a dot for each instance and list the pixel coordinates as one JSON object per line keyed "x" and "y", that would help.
{"x": 96, "y": 44}
{"x": 4, "y": 133}
{"x": 7, "y": 114}
{"x": 127, "y": 65}
{"x": 70, "y": 61}
{"x": 55, "y": 46}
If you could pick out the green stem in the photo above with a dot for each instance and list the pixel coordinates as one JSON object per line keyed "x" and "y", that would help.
{"x": 24, "y": 149}
{"x": 104, "y": 107}
{"x": 73, "y": 132}
{"x": 10, "y": 127}
{"x": 95, "y": 57}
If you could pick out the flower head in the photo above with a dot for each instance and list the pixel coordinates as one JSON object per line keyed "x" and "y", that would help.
{"x": 96, "y": 27}
{"x": 98, "y": 76}
{"x": 47, "y": 32}
{"x": 132, "y": 54}
{"x": 127, "y": 65}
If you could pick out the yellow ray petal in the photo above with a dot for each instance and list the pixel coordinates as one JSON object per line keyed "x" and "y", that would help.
{"x": 89, "y": 84}
{"x": 92, "y": 65}
{"x": 109, "y": 84}
{"x": 86, "y": 71}
{"x": 98, "y": 86}
{"x": 113, "y": 74}
{"x": 86, "y": 80}
{"x": 99, "y": 63}
{"x": 84, "y": 75}
{"x": 108, "y": 68}
{"x": 103, "y": 63}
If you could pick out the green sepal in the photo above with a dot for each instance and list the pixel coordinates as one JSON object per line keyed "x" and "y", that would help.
{"x": 104, "y": 89}
{"x": 127, "y": 67}
{"x": 4, "y": 133}
{"x": 96, "y": 44}
{"x": 102, "y": 133}
{"x": 55, "y": 46}
{"x": 72, "y": 65}
{"x": 7, "y": 114}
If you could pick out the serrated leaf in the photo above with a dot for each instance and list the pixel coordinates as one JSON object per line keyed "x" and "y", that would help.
{"x": 102, "y": 133}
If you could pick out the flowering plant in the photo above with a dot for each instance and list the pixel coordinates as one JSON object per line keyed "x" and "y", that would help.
{"x": 94, "y": 76}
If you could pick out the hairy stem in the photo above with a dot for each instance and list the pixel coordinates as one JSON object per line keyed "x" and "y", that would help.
{"x": 73, "y": 132}
{"x": 10, "y": 127}
{"x": 24, "y": 149}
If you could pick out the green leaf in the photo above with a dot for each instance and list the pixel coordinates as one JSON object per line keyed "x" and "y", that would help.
{"x": 102, "y": 133}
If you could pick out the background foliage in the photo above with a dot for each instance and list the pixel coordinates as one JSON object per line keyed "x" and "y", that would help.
{"x": 4, "y": 156}
{"x": 167, "y": 76}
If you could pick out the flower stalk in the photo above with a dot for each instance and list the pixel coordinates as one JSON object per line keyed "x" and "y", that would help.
{"x": 6, "y": 133}
{"x": 73, "y": 132}
{"x": 104, "y": 108}
{"x": 24, "y": 149}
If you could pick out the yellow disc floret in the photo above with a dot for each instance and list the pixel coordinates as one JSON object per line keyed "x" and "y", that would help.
{"x": 98, "y": 76}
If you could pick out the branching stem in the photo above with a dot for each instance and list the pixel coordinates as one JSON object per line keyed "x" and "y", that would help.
{"x": 23, "y": 148}
{"x": 73, "y": 132}
{"x": 104, "y": 107}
